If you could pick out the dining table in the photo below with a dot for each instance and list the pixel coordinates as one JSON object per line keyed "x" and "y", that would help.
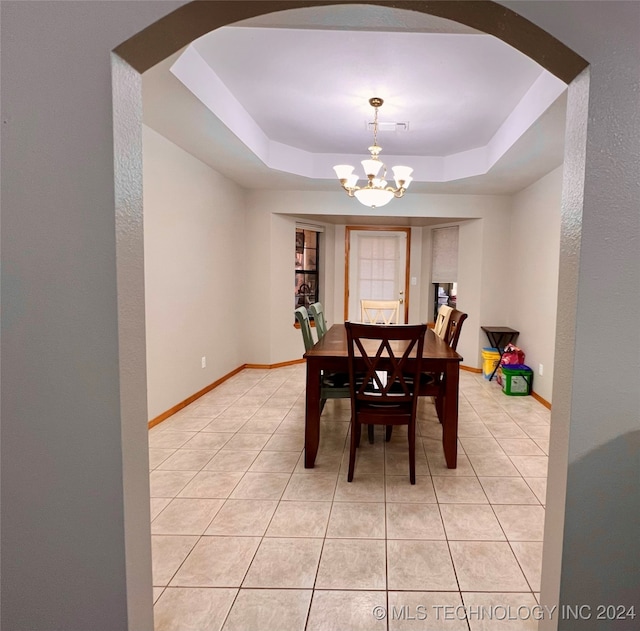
{"x": 330, "y": 354}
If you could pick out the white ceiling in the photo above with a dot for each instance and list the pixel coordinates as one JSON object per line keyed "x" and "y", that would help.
{"x": 311, "y": 90}
{"x": 483, "y": 118}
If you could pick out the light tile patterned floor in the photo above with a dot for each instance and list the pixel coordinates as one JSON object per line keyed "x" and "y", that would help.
{"x": 246, "y": 539}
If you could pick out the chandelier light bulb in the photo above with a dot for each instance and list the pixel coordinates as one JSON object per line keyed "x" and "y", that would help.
{"x": 375, "y": 192}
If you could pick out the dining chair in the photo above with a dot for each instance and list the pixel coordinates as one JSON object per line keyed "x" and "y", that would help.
{"x": 332, "y": 385}
{"x": 317, "y": 311}
{"x": 379, "y": 311}
{"x": 432, "y": 384}
{"x": 442, "y": 320}
{"x": 454, "y": 328}
{"x": 384, "y": 366}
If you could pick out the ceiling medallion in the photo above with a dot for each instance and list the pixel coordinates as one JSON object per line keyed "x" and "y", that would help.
{"x": 375, "y": 192}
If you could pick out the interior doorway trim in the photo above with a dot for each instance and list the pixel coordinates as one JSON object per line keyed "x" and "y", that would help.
{"x": 164, "y": 38}
{"x": 347, "y": 254}
{"x": 179, "y": 28}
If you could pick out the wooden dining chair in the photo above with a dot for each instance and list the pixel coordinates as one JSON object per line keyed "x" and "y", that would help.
{"x": 334, "y": 379}
{"x": 384, "y": 364}
{"x": 433, "y": 384}
{"x": 317, "y": 311}
{"x": 442, "y": 321}
{"x": 454, "y": 328}
{"x": 332, "y": 385}
{"x": 380, "y": 311}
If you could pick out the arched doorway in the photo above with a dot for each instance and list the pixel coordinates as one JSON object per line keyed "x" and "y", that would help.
{"x": 180, "y": 28}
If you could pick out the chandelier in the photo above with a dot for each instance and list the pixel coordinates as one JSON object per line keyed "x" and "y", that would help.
{"x": 375, "y": 192}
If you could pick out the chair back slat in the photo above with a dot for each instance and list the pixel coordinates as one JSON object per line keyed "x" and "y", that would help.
{"x": 454, "y": 328}
{"x": 317, "y": 311}
{"x": 302, "y": 316}
{"x": 442, "y": 321}
{"x": 379, "y": 361}
{"x": 380, "y": 311}
{"x": 384, "y": 369}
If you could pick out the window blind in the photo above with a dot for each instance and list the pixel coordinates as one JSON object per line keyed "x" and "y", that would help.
{"x": 444, "y": 261}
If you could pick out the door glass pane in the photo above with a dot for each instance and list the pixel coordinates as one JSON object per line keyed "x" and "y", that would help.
{"x": 389, "y": 270}
{"x": 365, "y": 269}
{"x": 376, "y": 267}
{"x": 377, "y": 263}
{"x": 390, "y": 248}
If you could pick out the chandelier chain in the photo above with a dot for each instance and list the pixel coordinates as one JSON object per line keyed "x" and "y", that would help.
{"x": 375, "y": 127}
{"x": 375, "y": 192}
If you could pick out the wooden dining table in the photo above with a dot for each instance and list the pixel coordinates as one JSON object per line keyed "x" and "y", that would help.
{"x": 330, "y": 354}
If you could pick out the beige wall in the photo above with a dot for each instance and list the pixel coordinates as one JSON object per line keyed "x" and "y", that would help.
{"x": 481, "y": 257}
{"x": 195, "y": 273}
{"x": 532, "y": 273}
{"x": 470, "y": 277}
{"x": 219, "y": 270}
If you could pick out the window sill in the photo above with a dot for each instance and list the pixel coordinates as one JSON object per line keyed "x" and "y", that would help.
{"x": 296, "y": 324}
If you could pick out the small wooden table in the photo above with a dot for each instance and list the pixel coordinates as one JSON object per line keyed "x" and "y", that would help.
{"x": 499, "y": 337}
{"x": 330, "y": 354}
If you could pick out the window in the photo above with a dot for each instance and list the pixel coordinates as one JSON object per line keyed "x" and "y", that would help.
{"x": 444, "y": 267}
{"x": 306, "y": 270}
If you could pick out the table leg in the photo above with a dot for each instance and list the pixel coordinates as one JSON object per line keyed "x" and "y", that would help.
{"x": 494, "y": 342}
{"x": 500, "y": 341}
{"x": 495, "y": 370}
{"x": 450, "y": 415}
{"x": 312, "y": 414}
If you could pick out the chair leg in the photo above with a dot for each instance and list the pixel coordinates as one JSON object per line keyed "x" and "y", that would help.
{"x": 370, "y": 434}
{"x": 412, "y": 454}
{"x": 439, "y": 406}
{"x": 388, "y": 431}
{"x": 355, "y": 439}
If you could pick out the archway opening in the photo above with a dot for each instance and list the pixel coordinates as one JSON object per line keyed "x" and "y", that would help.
{"x": 156, "y": 43}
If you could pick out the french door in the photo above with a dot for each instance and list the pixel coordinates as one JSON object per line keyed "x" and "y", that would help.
{"x": 376, "y": 268}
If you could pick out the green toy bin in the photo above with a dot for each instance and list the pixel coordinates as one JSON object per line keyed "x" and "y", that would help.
{"x": 517, "y": 379}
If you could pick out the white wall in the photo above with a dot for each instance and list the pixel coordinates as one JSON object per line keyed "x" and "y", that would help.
{"x": 593, "y": 500}
{"x": 183, "y": 291}
{"x": 286, "y": 340}
{"x": 470, "y": 287}
{"x": 68, "y": 559}
{"x": 533, "y": 272}
{"x": 482, "y": 259}
{"x": 508, "y": 274}
{"x": 195, "y": 273}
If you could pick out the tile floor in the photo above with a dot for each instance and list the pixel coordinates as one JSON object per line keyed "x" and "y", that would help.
{"x": 246, "y": 539}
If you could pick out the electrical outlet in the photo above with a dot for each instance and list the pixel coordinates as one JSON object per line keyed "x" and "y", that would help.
{"x": 540, "y": 369}
{"x": 203, "y": 361}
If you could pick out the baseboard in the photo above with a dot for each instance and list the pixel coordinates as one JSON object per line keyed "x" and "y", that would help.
{"x": 293, "y": 362}
{"x": 183, "y": 404}
{"x": 535, "y": 395}
{"x": 539, "y": 399}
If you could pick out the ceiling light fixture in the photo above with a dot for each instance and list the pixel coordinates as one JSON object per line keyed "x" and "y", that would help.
{"x": 375, "y": 192}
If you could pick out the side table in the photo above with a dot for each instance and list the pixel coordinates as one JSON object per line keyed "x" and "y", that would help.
{"x": 499, "y": 337}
